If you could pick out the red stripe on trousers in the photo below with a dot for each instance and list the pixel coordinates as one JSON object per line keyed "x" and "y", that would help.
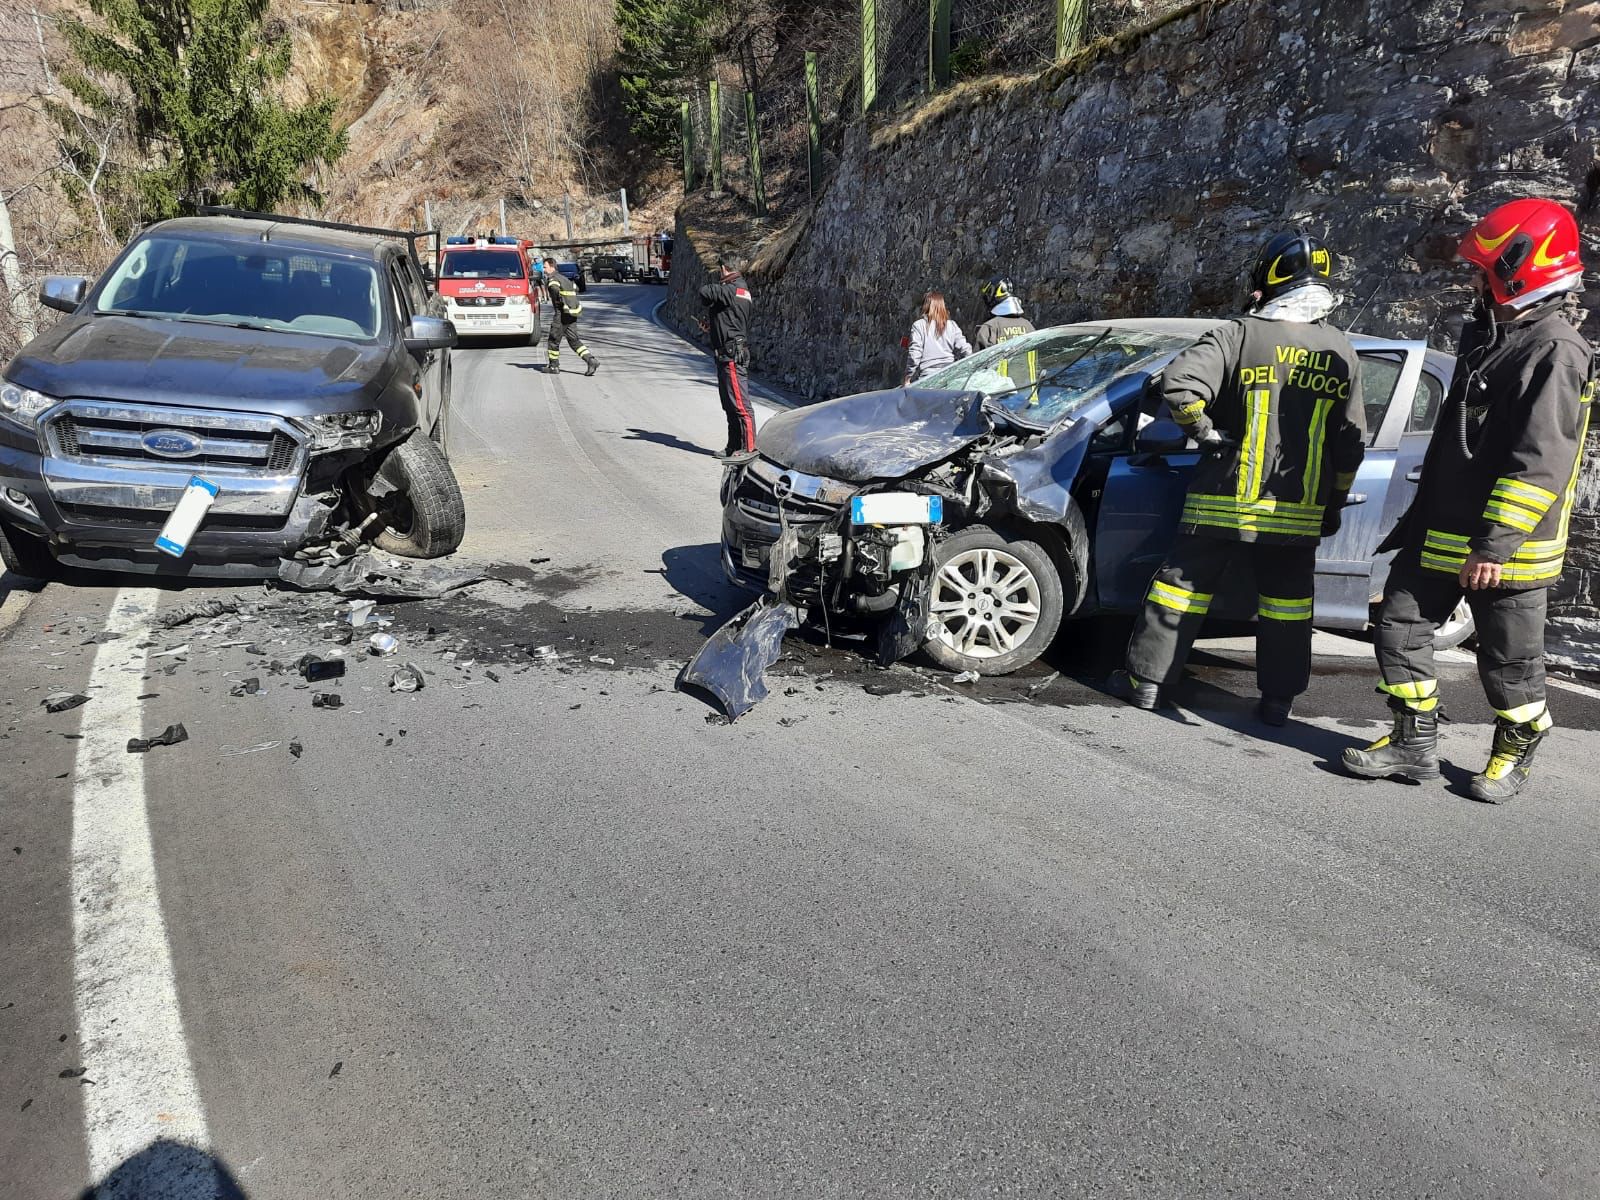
{"x": 742, "y": 408}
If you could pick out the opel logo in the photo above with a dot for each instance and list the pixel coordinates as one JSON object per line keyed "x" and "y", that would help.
{"x": 171, "y": 443}
{"x": 784, "y": 488}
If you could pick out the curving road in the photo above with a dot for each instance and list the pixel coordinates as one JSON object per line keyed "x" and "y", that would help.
{"x": 541, "y": 930}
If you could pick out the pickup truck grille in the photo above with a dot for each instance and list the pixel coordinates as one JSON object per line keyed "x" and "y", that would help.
{"x": 236, "y": 443}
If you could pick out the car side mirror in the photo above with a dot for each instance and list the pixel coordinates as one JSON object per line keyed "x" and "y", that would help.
{"x": 63, "y": 292}
{"x": 1161, "y": 437}
{"x": 430, "y": 333}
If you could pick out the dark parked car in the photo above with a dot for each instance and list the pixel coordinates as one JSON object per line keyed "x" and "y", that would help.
{"x": 616, "y": 267}
{"x": 574, "y": 272}
{"x": 300, "y": 367}
{"x": 1017, "y": 506}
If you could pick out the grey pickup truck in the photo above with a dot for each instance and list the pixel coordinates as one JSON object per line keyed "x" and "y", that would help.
{"x": 300, "y": 367}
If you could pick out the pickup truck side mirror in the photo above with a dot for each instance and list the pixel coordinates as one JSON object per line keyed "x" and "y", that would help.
{"x": 429, "y": 333}
{"x": 1161, "y": 437}
{"x": 63, "y": 292}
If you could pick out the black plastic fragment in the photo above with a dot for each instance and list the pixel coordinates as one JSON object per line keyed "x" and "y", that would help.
{"x": 246, "y": 687}
{"x": 731, "y": 664}
{"x": 63, "y": 701}
{"x": 296, "y": 749}
{"x": 199, "y": 610}
{"x": 327, "y": 700}
{"x": 170, "y": 736}
{"x": 313, "y": 669}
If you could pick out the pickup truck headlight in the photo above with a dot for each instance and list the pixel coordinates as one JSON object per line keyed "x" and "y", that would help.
{"x": 517, "y": 301}
{"x": 344, "y": 431}
{"x": 22, "y": 406}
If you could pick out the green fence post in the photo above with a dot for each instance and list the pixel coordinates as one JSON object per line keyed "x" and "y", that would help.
{"x": 938, "y": 44}
{"x": 813, "y": 124}
{"x": 1071, "y": 17}
{"x": 686, "y": 124}
{"x": 716, "y": 138}
{"x": 869, "y": 54}
{"x": 758, "y": 190}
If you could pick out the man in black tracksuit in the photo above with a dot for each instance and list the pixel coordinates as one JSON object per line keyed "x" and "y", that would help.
{"x": 1274, "y": 399}
{"x": 564, "y": 320}
{"x": 1491, "y": 513}
{"x": 728, "y": 322}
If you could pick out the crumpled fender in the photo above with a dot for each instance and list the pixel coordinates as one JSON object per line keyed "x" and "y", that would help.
{"x": 731, "y": 664}
{"x": 1037, "y": 485}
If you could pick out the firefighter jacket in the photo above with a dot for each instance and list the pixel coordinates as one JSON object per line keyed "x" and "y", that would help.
{"x": 1286, "y": 397}
{"x": 563, "y": 296}
{"x": 1002, "y": 329}
{"x": 1501, "y": 471}
{"x": 728, "y": 314}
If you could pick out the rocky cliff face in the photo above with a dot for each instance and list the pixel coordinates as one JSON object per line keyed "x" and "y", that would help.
{"x": 1140, "y": 177}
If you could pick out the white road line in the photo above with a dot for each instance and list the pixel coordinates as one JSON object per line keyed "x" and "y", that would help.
{"x": 130, "y": 1031}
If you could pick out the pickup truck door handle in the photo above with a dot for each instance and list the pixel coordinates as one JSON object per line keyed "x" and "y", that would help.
{"x": 1414, "y": 475}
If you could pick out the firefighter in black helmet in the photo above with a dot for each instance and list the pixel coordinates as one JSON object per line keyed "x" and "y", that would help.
{"x": 1005, "y": 314}
{"x": 564, "y": 322}
{"x": 1274, "y": 399}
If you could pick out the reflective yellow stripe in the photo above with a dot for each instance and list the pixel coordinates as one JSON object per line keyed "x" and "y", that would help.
{"x": 1003, "y": 368}
{"x": 1179, "y": 599}
{"x": 1421, "y": 695}
{"x": 1263, "y": 516}
{"x": 1344, "y": 480}
{"x": 1277, "y": 608}
{"x": 1255, "y": 445}
{"x": 1501, "y": 513}
{"x": 1033, "y": 365}
{"x": 1314, "y": 446}
{"x": 1520, "y": 492}
{"x": 1524, "y": 712}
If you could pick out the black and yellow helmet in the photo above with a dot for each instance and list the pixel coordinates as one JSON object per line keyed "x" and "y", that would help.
{"x": 997, "y": 289}
{"x": 1289, "y": 260}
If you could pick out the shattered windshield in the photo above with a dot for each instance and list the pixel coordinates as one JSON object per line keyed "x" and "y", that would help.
{"x": 1071, "y": 366}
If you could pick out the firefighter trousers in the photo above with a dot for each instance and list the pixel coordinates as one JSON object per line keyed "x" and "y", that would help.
{"x": 736, "y": 404}
{"x": 1510, "y": 630}
{"x": 559, "y": 328}
{"x": 1181, "y": 595}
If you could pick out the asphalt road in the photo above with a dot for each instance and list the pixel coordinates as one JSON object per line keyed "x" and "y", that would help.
{"x": 540, "y": 929}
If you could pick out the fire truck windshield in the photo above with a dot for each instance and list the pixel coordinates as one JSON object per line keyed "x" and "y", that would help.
{"x": 481, "y": 264}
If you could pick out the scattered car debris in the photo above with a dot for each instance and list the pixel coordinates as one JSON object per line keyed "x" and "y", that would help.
{"x": 1044, "y": 683}
{"x": 492, "y": 676}
{"x": 608, "y": 662}
{"x": 246, "y": 687}
{"x": 296, "y": 749}
{"x": 381, "y": 645}
{"x": 57, "y": 702}
{"x": 170, "y": 736}
{"x": 731, "y": 664}
{"x": 236, "y": 751}
{"x": 407, "y": 679}
{"x": 359, "y": 612}
{"x": 327, "y": 700}
{"x": 99, "y": 639}
{"x": 965, "y": 677}
{"x": 337, "y": 1067}
{"x": 174, "y": 652}
{"x": 199, "y": 610}
{"x": 883, "y": 689}
{"x": 545, "y": 653}
{"x": 314, "y": 670}
{"x": 366, "y": 574}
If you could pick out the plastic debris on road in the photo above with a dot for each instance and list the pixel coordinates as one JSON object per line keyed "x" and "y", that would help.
{"x": 965, "y": 677}
{"x": 381, "y": 645}
{"x": 62, "y": 701}
{"x": 170, "y": 736}
{"x": 360, "y": 613}
{"x": 314, "y": 670}
{"x": 731, "y": 664}
{"x": 327, "y": 700}
{"x": 407, "y": 679}
{"x": 200, "y": 610}
{"x": 380, "y": 579}
{"x": 246, "y": 687}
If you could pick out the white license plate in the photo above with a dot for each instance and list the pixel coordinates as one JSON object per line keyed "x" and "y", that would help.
{"x": 896, "y": 508}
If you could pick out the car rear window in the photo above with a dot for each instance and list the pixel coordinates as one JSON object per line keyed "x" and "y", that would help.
{"x": 229, "y": 283}
{"x": 481, "y": 264}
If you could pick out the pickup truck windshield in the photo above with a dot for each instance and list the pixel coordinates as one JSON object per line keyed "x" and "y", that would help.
{"x": 481, "y": 264}
{"x": 229, "y": 283}
{"x": 1074, "y": 362}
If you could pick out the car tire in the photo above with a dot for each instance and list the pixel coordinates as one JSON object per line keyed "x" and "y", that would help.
{"x": 1457, "y": 628}
{"x": 26, "y": 555}
{"x": 968, "y": 566}
{"x": 426, "y": 515}
{"x": 440, "y": 433}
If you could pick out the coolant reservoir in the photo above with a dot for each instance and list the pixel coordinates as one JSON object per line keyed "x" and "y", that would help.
{"x": 908, "y": 549}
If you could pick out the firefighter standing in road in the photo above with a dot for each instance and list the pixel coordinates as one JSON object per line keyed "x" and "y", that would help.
{"x": 728, "y": 322}
{"x": 1005, "y": 315}
{"x": 1490, "y": 517}
{"x": 564, "y": 320}
{"x": 1274, "y": 399}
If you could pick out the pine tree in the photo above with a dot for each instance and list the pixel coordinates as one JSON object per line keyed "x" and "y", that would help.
{"x": 177, "y": 105}
{"x": 662, "y": 51}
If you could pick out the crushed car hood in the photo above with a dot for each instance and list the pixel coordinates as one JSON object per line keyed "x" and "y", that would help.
{"x": 876, "y": 435}
{"x": 171, "y": 362}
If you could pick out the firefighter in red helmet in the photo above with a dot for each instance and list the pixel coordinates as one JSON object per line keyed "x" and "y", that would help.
{"x": 1491, "y": 513}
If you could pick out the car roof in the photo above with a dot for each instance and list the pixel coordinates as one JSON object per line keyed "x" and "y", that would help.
{"x": 1196, "y": 327}
{"x": 281, "y": 234}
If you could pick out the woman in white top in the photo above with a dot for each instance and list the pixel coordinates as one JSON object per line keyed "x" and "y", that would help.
{"x": 936, "y": 341}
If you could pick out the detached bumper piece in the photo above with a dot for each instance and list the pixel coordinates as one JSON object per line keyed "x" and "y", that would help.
{"x": 731, "y": 665}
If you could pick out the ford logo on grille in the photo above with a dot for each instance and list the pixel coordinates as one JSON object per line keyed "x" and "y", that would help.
{"x": 171, "y": 443}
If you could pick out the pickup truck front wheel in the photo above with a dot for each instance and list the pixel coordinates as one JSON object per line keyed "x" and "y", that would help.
{"x": 424, "y": 515}
{"x": 26, "y": 555}
{"x": 996, "y": 601}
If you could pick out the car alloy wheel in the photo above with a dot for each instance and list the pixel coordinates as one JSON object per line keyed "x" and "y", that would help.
{"x": 1456, "y": 628}
{"x": 986, "y": 601}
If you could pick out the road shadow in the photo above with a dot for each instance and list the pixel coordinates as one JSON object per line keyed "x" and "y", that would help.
{"x": 11, "y": 582}
{"x": 668, "y": 440}
{"x": 166, "y": 1170}
{"x": 695, "y": 573}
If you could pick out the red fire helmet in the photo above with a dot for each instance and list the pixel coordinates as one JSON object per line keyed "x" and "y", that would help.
{"x": 1528, "y": 250}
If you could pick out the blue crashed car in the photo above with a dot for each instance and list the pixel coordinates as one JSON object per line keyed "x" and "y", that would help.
{"x": 1034, "y": 482}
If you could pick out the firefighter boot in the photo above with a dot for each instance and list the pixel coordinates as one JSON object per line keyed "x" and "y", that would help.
{"x": 594, "y": 364}
{"x": 1136, "y": 692}
{"x": 1510, "y": 761}
{"x": 1410, "y": 750}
